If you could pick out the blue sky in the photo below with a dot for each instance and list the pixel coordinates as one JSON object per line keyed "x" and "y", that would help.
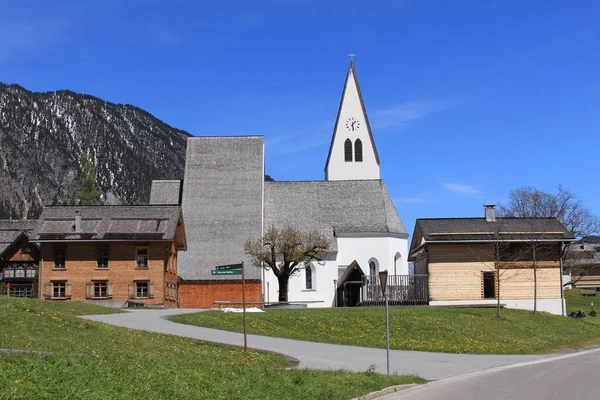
{"x": 467, "y": 99}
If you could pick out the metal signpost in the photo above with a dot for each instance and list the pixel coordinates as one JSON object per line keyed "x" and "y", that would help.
{"x": 383, "y": 275}
{"x": 236, "y": 269}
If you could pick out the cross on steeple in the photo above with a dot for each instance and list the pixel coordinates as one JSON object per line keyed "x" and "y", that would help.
{"x": 351, "y": 55}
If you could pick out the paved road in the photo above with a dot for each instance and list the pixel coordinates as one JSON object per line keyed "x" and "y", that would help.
{"x": 574, "y": 377}
{"x": 312, "y": 355}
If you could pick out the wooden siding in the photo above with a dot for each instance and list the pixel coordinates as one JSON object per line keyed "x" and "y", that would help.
{"x": 484, "y": 252}
{"x": 22, "y": 251}
{"x": 463, "y": 281}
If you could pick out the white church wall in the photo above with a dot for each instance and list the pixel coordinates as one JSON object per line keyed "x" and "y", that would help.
{"x": 384, "y": 249}
{"x": 322, "y": 293}
{"x": 360, "y": 248}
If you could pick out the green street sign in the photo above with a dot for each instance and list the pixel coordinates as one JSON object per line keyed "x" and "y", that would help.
{"x": 226, "y": 272}
{"x": 228, "y": 267}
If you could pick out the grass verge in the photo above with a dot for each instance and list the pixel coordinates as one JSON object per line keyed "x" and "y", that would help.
{"x": 451, "y": 330}
{"x": 90, "y": 360}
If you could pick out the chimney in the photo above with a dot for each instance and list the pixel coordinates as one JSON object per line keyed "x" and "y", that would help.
{"x": 77, "y": 222}
{"x": 490, "y": 212}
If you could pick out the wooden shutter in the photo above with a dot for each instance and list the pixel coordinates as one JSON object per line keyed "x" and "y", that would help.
{"x": 150, "y": 289}
{"x": 132, "y": 290}
{"x": 109, "y": 289}
{"x": 68, "y": 290}
{"x": 88, "y": 290}
{"x": 48, "y": 290}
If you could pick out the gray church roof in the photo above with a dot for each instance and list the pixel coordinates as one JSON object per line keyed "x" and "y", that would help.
{"x": 165, "y": 192}
{"x": 222, "y": 203}
{"x": 110, "y": 223}
{"x": 10, "y": 230}
{"x": 333, "y": 207}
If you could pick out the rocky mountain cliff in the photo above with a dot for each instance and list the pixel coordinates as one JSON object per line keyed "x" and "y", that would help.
{"x": 45, "y": 136}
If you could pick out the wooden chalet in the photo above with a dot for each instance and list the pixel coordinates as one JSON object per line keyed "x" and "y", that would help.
{"x": 18, "y": 258}
{"x": 476, "y": 261}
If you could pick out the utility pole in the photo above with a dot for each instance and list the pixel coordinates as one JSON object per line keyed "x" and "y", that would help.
{"x": 383, "y": 275}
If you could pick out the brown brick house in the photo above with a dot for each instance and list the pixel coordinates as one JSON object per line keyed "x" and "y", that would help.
{"x": 18, "y": 258}
{"x": 110, "y": 254}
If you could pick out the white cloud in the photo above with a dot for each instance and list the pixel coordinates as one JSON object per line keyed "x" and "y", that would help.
{"x": 407, "y": 111}
{"x": 460, "y": 188}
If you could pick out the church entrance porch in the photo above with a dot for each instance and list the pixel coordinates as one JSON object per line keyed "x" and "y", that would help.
{"x": 355, "y": 289}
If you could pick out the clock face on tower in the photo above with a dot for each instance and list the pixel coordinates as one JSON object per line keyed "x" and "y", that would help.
{"x": 352, "y": 124}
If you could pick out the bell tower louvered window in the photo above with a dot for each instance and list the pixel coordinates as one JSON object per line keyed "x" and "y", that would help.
{"x": 358, "y": 151}
{"x": 348, "y": 150}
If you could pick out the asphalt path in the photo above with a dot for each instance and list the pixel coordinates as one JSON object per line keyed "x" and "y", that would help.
{"x": 573, "y": 377}
{"x": 431, "y": 366}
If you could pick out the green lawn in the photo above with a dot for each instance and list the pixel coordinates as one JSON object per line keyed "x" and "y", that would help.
{"x": 451, "y": 330}
{"x": 575, "y": 302}
{"x": 90, "y": 360}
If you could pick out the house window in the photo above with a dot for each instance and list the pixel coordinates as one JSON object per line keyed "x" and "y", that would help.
{"x": 308, "y": 276}
{"x": 141, "y": 290}
{"x": 171, "y": 291}
{"x": 60, "y": 258}
{"x": 20, "y": 273}
{"x": 141, "y": 257}
{"x": 9, "y": 273}
{"x": 348, "y": 150}
{"x": 102, "y": 258}
{"x": 358, "y": 150}
{"x": 30, "y": 273}
{"x": 59, "y": 290}
{"x": 489, "y": 285}
{"x": 100, "y": 289}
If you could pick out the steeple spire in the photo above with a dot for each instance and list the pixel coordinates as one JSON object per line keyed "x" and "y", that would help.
{"x": 352, "y": 154}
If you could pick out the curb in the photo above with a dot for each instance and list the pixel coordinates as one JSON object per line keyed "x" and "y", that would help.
{"x": 385, "y": 391}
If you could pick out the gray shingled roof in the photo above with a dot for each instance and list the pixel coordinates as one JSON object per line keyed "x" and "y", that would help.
{"x": 333, "y": 207}
{"x": 10, "y": 230}
{"x": 165, "y": 192}
{"x": 478, "y": 229}
{"x": 222, "y": 203}
{"x": 108, "y": 222}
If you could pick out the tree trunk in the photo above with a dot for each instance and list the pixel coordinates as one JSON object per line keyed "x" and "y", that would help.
{"x": 283, "y": 287}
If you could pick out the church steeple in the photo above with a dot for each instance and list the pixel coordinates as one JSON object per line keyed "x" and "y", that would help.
{"x": 352, "y": 154}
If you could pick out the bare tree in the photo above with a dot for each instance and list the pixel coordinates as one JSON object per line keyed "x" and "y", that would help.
{"x": 563, "y": 205}
{"x": 285, "y": 251}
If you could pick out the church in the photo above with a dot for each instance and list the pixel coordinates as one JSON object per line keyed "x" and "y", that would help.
{"x": 226, "y": 201}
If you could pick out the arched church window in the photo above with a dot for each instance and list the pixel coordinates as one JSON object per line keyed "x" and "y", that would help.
{"x": 372, "y": 268}
{"x": 348, "y": 150}
{"x": 358, "y": 150}
{"x": 397, "y": 261}
{"x": 308, "y": 276}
